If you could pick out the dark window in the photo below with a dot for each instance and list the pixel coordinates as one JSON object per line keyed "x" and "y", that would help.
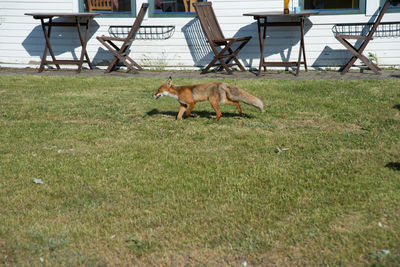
{"x": 172, "y": 8}
{"x": 329, "y": 4}
{"x": 334, "y": 7}
{"x": 394, "y": 5}
{"x": 109, "y": 7}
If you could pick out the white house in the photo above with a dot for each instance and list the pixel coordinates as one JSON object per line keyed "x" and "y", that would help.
{"x": 22, "y": 41}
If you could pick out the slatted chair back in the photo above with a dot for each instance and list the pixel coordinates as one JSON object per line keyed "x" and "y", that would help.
{"x": 106, "y": 5}
{"x": 216, "y": 39}
{"x": 379, "y": 18}
{"x": 120, "y": 52}
{"x": 138, "y": 21}
{"x": 358, "y": 52}
{"x": 208, "y": 21}
{"x": 189, "y": 8}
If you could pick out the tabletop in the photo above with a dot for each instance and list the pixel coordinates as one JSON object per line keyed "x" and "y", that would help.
{"x": 280, "y": 14}
{"x": 47, "y": 15}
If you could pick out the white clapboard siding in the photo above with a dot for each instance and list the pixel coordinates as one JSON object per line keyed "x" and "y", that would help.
{"x": 22, "y": 41}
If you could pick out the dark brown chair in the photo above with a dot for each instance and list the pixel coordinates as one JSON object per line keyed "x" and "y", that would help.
{"x": 357, "y": 52}
{"x": 221, "y": 46}
{"x": 120, "y": 53}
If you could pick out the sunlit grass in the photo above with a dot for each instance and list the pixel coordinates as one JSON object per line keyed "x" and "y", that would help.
{"x": 124, "y": 183}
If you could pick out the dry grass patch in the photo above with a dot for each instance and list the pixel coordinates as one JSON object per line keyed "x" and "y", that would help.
{"x": 318, "y": 122}
{"x": 348, "y": 223}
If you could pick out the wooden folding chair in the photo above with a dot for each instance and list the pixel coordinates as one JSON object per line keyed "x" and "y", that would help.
{"x": 189, "y": 6}
{"x": 221, "y": 46}
{"x": 102, "y": 5}
{"x": 120, "y": 53}
{"x": 357, "y": 52}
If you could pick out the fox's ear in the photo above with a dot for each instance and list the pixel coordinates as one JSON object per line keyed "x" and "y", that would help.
{"x": 169, "y": 81}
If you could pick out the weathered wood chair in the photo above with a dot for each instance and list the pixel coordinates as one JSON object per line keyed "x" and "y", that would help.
{"x": 106, "y": 5}
{"x": 221, "y": 46}
{"x": 120, "y": 53}
{"x": 189, "y": 7}
{"x": 365, "y": 38}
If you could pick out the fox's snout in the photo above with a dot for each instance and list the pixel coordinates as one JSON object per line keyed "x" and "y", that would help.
{"x": 160, "y": 93}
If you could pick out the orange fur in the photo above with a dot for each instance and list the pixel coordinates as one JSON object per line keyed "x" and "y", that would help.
{"x": 214, "y": 92}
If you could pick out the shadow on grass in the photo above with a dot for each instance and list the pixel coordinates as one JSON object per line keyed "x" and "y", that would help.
{"x": 397, "y": 106}
{"x": 204, "y": 114}
{"x": 393, "y": 166}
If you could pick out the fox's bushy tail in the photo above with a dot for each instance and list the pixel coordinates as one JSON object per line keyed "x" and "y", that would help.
{"x": 237, "y": 94}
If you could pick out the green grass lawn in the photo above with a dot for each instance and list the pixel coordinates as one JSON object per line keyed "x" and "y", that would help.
{"x": 125, "y": 183}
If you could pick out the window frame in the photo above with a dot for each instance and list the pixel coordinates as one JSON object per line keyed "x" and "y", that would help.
{"x": 391, "y": 9}
{"x": 105, "y": 14}
{"x": 339, "y": 11}
{"x": 152, "y": 14}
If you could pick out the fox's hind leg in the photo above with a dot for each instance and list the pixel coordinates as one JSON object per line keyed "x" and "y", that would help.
{"x": 230, "y": 102}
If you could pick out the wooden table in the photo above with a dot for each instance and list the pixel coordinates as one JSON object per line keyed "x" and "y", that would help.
{"x": 262, "y": 23}
{"x": 76, "y": 20}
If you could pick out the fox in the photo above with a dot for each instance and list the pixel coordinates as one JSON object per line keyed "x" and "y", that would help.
{"x": 214, "y": 92}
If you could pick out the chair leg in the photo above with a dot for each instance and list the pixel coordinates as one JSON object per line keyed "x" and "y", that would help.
{"x": 220, "y": 57}
{"x": 205, "y": 70}
{"x": 133, "y": 62}
{"x": 117, "y": 52}
{"x": 226, "y": 67}
{"x": 357, "y": 54}
{"x": 370, "y": 65}
{"x": 217, "y": 57}
{"x": 234, "y": 53}
{"x": 237, "y": 62}
{"x": 222, "y": 65}
{"x": 115, "y": 60}
{"x": 113, "y": 63}
{"x": 231, "y": 56}
{"x": 241, "y": 67}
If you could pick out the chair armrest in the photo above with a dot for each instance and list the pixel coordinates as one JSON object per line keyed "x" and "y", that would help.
{"x": 108, "y": 38}
{"x": 357, "y": 37}
{"x": 235, "y": 39}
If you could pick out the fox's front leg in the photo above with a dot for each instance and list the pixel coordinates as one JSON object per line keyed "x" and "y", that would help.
{"x": 181, "y": 111}
{"x": 189, "y": 110}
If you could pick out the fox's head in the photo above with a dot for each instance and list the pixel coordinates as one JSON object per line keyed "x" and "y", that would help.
{"x": 165, "y": 90}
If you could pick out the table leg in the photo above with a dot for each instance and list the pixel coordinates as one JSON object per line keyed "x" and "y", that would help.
{"x": 261, "y": 40}
{"x": 264, "y": 38}
{"x": 303, "y": 43}
{"x": 300, "y": 53}
{"x": 86, "y": 38}
{"x": 83, "y": 43}
{"x": 47, "y": 45}
{"x": 301, "y": 48}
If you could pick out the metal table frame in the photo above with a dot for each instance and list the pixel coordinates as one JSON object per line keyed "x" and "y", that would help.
{"x": 262, "y": 24}
{"x": 77, "y": 20}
